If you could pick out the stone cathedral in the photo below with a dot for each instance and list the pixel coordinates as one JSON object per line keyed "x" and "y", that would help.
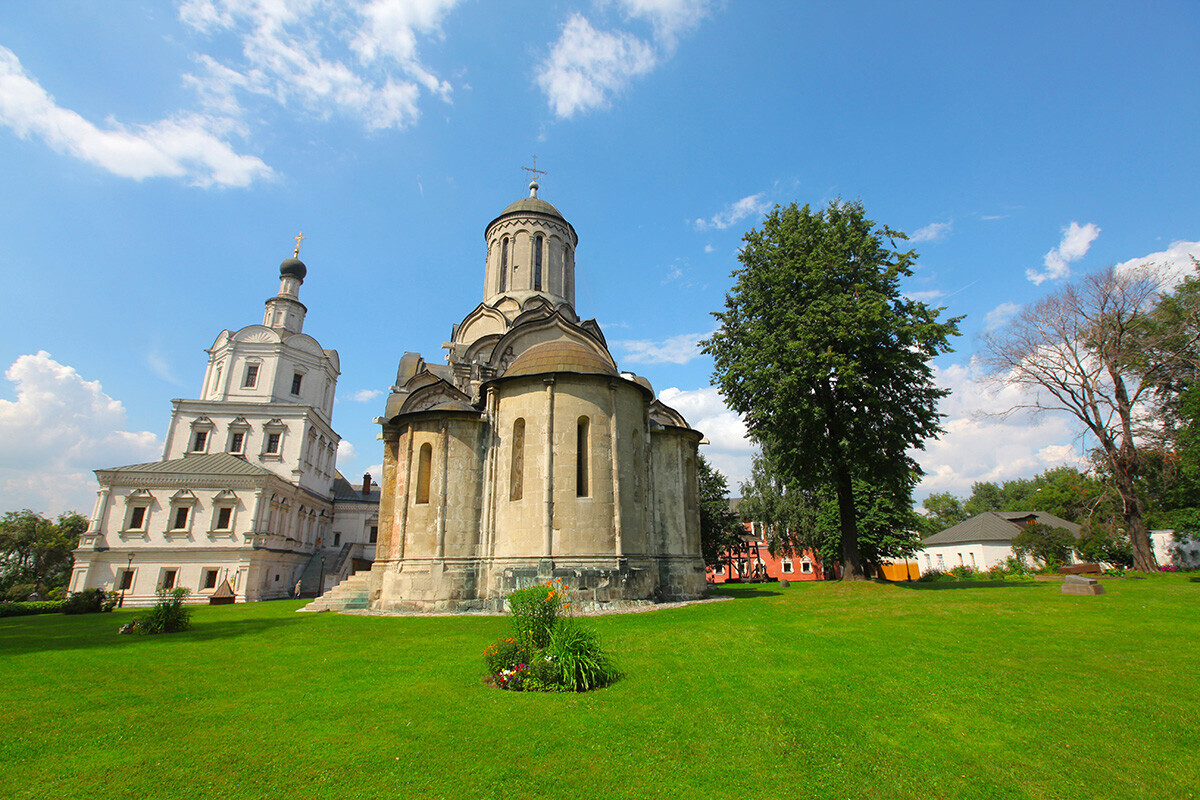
{"x": 529, "y": 456}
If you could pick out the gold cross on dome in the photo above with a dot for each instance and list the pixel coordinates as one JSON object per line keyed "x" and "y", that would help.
{"x": 534, "y": 171}
{"x": 299, "y": 237}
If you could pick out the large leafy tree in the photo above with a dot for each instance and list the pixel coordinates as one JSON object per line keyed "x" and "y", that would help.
{"x": 828, "y": 363}
{"x": 36, "y": 551}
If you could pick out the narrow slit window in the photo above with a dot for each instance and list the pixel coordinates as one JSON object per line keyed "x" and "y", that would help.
{"x": 424, "y": 468}
{"x": 517, "y": 472}
{"x": 537, "y": 263}
{"x": 181, "y": 518}
{"x": 224, "y": 515}
{"x": 504, "y": 264}
{"x": 297, "y": 379}
{"x": 581, "y": 457}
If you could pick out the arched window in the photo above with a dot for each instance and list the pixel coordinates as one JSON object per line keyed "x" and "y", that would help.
{"x": 424, "y": 467}
{"x": 504, "y": 264}
{"x": 537, "y": 263}
{"x": 581, "y": 457}
{"x": 516, "y": 474}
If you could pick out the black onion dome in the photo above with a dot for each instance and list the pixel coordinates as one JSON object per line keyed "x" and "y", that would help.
{"x": 294, "y": 267}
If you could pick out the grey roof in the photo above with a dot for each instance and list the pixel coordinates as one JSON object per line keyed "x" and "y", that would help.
{"x": 534, "y": 204}
{"x": 206, "y": 464}
{"x": 997, "y": 526}
{"x": 344, "y": 491}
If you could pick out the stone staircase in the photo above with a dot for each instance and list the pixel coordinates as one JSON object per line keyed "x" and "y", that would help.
{"x": 349, "y": 594}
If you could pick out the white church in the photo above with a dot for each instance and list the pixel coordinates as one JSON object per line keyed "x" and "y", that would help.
{"x": 247, "y": 500}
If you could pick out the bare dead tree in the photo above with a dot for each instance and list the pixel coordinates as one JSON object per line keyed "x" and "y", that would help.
{"x": 1084, "y": 351}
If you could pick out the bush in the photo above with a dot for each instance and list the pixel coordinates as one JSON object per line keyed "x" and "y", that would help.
{"x": 30, "y": 608}
{"x": 534, "y": 611}
{"x": 962, "y": 572}
{"x": 576, "y": 659}
{"x": 551, "y": 652}
{"x": 929, "y": 575}
{"x": 996, "y": 572}
{"x": 90, "y": 601}
{"x": 504, "y": 654}
{"x": 1016, "y": 566}
{"x": 18, "y": 592}
{"x": 168, "y": 615}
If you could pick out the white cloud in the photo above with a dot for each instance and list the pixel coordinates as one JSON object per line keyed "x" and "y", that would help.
{"x": 676, "y": 350}
{"x": 925, "y": 296}
{"x": 587, "y": 67}
{"x": 932, "y": 232}
{"x": 708, "y": 248}
{"x": 1171, "y": 265}
{"x": 980, "y": 445}
{"x": 59, "y": 429}
{"x": 998, "y": 316}
{"x": 735, "y": 212}
{"x": 670, "y": 18}
{"x": 674, "y": 273}
{"x": 1076, "y": 241}
{"x": 345, "y": 452}
{"x": 729, "y": 449}
{"x": 288, "y": 55}
{"x": 365, "y": 395}
{"x": 187, "y": 146}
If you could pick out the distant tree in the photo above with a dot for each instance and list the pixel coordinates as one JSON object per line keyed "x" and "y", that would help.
{"x": 942, "y": 510}
{"x": 719, "y": 527}
{"x": 36, "y": 551}
{"x": 1046, "y": 544}
{"x": 827, "y": 361}
{"x": 1099, "y": 542}
{"x": 1084, "y": 350}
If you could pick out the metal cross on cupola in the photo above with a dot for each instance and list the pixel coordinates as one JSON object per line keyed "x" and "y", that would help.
{"x": 299, "y": 237}
{"x": 533, "y": 176}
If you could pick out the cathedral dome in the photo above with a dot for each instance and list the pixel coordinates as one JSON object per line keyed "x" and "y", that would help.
{"x": 560, "y": 356}
{"x": 534, "y": 204}
{"x": 295, "y": 268}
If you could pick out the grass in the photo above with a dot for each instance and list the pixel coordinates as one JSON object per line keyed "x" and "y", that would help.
{"x": 973, "y": 690}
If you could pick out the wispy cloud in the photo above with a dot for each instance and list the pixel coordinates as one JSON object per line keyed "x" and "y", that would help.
{"x": 734, "y": 213}
{"x": 729, "y": 448}
{"x": 362, "y": 62}
{"x": 161, "y": 367}
{"x": 190, "y": 146}
{"x": 676, "y": 350}
{"x": 59, "y": 429}
{"x": 999, "y": 316}
{"x": 925, "y": 296}
{"x": 1171, "y": 265}
{"x": 365, "y": 395}
{"x": 1076, "y": 241}
{"x": 587, "y": 67}
{"x": 932, "y": 232}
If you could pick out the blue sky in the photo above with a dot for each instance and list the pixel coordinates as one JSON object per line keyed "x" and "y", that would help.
{"x": 159, "y": 157}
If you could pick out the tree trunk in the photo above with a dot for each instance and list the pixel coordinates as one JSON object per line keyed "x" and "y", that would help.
{"x": 1143, "y": 553}
{"x": 851, "y": 563}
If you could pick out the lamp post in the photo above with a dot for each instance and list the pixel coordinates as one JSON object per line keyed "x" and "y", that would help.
{"x": 321, "y": 590}
{"x": 127, "y": 577}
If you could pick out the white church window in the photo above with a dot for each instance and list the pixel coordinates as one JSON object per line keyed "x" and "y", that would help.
{"x": 167, "y": 580}
{"x": 199, "y": 441}
{"x": 806, "y": 567}
{"x": 208, "y": 579}
{"x": 787, "y": 566}
{"x": 297, "y": 379}
{"x": 237, "y": 442}
{"x": 126, "y": 581}
{"x": 373, "y": 538}
{"x": 250, "y": 380}
{"x": 137, "y": 518}
{"x": 273, "y": 442}
{"x": 224, "y": 518}
{"x": 181, "y": 517}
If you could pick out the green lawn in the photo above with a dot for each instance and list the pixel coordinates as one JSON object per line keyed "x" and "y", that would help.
{"x": 970, "y": 690}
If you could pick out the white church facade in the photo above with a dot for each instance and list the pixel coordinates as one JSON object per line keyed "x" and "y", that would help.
{"x": 247, "y": 492}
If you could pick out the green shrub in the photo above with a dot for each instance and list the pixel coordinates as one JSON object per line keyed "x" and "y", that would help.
{"x": 169, "y": 614}
{"x": 30, "y": 608}
{"x": 930, "y": 575}
{"x": 1016, "y": 566}
{"x": 996, "y": 572}
{"x": 577, "y": 661}
{"x": 534, "y": 610}
{"x": 18, "y": 592}
{"x": 505, "y": 654}
{"x": 90, "y": 601}
{"x": 962, "y": 572}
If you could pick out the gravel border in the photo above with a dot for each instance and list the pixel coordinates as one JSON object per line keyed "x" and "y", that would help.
{"x": 366, "y": 612}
